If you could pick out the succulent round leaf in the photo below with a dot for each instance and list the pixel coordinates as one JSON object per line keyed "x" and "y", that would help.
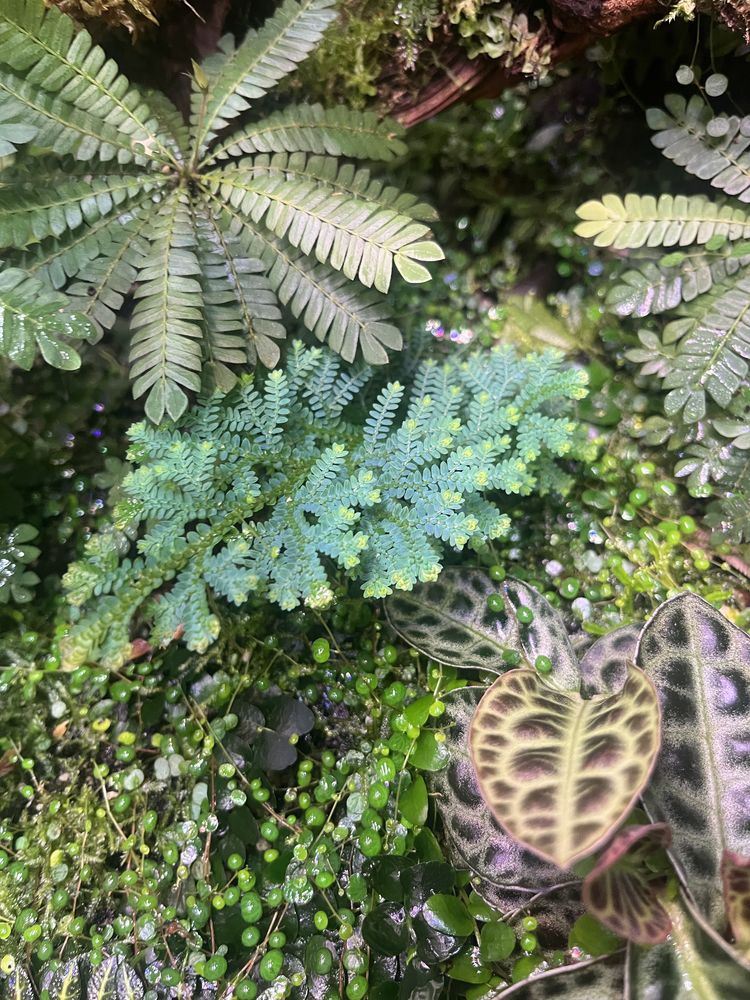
{"x": 700, "y": 664}
{"x": 560, "y": 773}
{"x": 619, "y": 892}
{"x": 450, "y": 621}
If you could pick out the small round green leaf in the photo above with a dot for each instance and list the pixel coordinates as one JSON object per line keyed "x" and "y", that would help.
{"x": 448, "y": 915}
{"x": 497, "y": 942}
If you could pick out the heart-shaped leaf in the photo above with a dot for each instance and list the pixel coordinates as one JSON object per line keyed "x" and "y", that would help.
{"x": 700, "y": 664}
{"x": 597, "y": 979}
{"x": 604, "y": 665}
{"x": 692, "y": 964}
{"x": 735, "y": 876}
{"x": 618, "y": 891}
{"x": 450, "y": 621}
{"x": 560, "y": 773}
{"x": 505, "y": 874}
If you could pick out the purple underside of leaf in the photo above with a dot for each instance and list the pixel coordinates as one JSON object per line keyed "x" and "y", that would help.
{"x": 618, "y": 892}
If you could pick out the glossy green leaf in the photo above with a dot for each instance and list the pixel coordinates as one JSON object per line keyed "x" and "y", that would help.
{"x": 428, "y": 754}
{"x": 700, "y": 664}
{"x": 621, "y": 892}
{"x": 560, "y": 773}
{"x": 497, "y": 942}
{"x": 593, "y": 937}
{"x": 448, "y": 915}
{"x": 386, "y": 929}
{"x": 450, "y": 621}
{"x": 412, "y": 803}
{"x": 469, "y": 968}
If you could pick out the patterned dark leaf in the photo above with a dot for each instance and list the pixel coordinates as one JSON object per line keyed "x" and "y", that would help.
{"x": 597, "y": 979}
{"x": 604, "y": 665}
{"x": 560, "y": 773}
{"x": 449, "y": 621}
{"x": 619, "y": 893}
{"x": 692, "y": 964}
{"x": 700, "y": 664}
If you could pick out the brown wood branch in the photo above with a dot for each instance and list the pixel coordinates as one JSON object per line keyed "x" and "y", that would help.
{"x": 573, "y": 25}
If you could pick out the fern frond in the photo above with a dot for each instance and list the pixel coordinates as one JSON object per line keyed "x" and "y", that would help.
{"x": 27, "y": 217}
{"x": 354, "y": 236}
{"x": 344, "y": 177}
{"x": 330, "y": 307}
{"x": 243, "y": 321}
{"x": 264, "y": 491}
{"x": 681, "y": 133}
{"x": 643, "y": 221}
{"x": 712, "y": 358}
{"x": 165, "y": 353}
{"x": 243, "y": 74}
{"x": 653, "y": 288}
{"x": 44, "y": 46}
{"x": 310, "y": 128}
{"x": 32, "y": 317}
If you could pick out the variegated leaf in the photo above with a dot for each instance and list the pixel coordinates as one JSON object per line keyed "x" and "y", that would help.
{"x": 700, "y": 664}
{"x": 619, "y": 892}
{"x": 18, "y": 986}
{"x": 129, "y": 985}
{"x": 449, "y": 620}
{"x": 560, "y": 773}
{"x": 503, "y": 873}
{"x": 604, "y": 665}
{"x": 692, "y": 964}
{"x": 63, "y": 983}
{"x": 735, "y": 876}
{"x": 596, "y": 979}
{"x": 102, "y": 984}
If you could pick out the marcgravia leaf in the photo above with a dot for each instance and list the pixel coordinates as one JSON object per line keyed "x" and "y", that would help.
{"x": 692, "y": 964}
{"x": 449, "y": 620}
{"x": 506, "y": 874}
{"x": 560, "y": 773}
{"x": 700, "y": 664}
{"x": 604, "y": 665}
{"x": 596, "y": 979}
{"x": 618, "y": 891}
{"x": 735, "y": 875}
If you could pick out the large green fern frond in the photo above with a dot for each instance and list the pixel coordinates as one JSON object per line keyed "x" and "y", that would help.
{"x": 165, "y": 353}
{"x": 43, "y": 46}
{"x": 310, "y": 128}
{"x": 243, "y": 74}
{"x": 684, "y": 134}
{"x": 637, "y": 221}
{"x": 360, "y": 238}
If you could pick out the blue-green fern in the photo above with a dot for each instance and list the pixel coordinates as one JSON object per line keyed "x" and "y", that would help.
{"x": 268, "y": 490}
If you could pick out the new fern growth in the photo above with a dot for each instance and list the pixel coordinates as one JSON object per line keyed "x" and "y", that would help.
{"x": 216, "y": 224}
{"x": 691, "y": 256}
{"x": 272, "y": 489}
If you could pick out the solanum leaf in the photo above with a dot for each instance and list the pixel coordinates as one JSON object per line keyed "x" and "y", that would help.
{"x": 700, "y": 664}
{"x": 450, "y": 621}
{"x": 692, "y": 963}
{"x": 735, "y": 876}
{"x": 618, "y": 891}
{"x": 560, "y": 773}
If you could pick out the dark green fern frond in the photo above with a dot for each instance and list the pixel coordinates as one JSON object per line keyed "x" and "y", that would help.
{"x": 108, "y": 195}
